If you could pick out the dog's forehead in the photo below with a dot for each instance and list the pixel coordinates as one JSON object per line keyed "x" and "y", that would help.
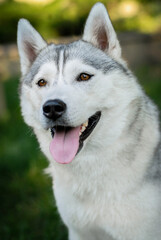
{"x": 78, "y": 51}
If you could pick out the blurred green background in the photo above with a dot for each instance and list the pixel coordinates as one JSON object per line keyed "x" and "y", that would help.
{"x": 27, "y": 209}
{"x": 67, "y": 17}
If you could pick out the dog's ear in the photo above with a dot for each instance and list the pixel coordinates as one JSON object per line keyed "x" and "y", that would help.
{"x": 30, "y": 43}
{"x": 100, "y": 32}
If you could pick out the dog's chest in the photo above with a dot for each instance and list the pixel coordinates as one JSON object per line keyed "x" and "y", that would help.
{"x": 86, "y": 204}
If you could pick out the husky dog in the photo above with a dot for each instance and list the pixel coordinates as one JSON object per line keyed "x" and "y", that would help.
{"x": 98, "y": 129}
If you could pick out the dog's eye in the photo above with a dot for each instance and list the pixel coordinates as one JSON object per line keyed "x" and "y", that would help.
{"x": 42, "y": 83}
{"x": 84, "y": 77}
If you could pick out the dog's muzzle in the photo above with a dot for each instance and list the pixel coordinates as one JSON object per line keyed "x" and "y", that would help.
{"x": 67, "y": 141}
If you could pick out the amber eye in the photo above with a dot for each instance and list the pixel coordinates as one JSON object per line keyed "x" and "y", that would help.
{"x": 84, "y": 77}
{"x": 42, "y": 83}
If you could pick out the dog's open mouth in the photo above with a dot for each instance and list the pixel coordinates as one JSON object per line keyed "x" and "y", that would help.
{"x": 68, "y": 141}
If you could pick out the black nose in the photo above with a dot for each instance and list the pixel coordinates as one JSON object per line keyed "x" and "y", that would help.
{"x": 54, "y": 109}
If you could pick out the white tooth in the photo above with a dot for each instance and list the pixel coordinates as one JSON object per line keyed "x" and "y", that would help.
{"x": 85, "y": 124}
{"x": 83, "y": 127}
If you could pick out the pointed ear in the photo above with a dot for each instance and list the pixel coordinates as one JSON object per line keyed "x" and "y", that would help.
{"x": 100, "y": 32}
{"x": 30, "y": 43}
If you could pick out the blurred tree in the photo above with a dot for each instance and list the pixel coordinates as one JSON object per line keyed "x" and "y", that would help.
{"x": 62, "y": 17}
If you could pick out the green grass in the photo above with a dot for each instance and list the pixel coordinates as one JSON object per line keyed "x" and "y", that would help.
{"x": 150, "y": 78}
{"x": 28, "y": 210}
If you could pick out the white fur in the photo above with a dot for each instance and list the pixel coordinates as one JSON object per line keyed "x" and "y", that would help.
{"x": 99, "y": 21}
{"x": 102, "y": 194}
{"x": 28, "y": 35}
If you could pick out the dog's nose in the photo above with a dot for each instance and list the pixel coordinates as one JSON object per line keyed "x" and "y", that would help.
{"x": 54, "y": 109}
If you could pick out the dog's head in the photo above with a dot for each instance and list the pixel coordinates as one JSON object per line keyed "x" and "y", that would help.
{"x": 67, "y": 89}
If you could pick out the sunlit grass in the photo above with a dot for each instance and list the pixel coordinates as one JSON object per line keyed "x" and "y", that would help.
{"x": 43, "y": 2}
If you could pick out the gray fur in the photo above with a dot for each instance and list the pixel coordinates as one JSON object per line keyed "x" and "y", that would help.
{"x": 112, "y": 186}
{"x": 87, "y": 53}
{"x": 80, "y": 49}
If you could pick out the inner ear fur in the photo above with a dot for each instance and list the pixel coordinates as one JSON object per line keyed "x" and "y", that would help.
{"x": 30, "y": 43}
{"x": 100, "y": 32}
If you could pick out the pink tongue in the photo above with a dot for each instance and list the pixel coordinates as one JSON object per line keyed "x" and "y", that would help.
{"x": 64, "y": 145}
